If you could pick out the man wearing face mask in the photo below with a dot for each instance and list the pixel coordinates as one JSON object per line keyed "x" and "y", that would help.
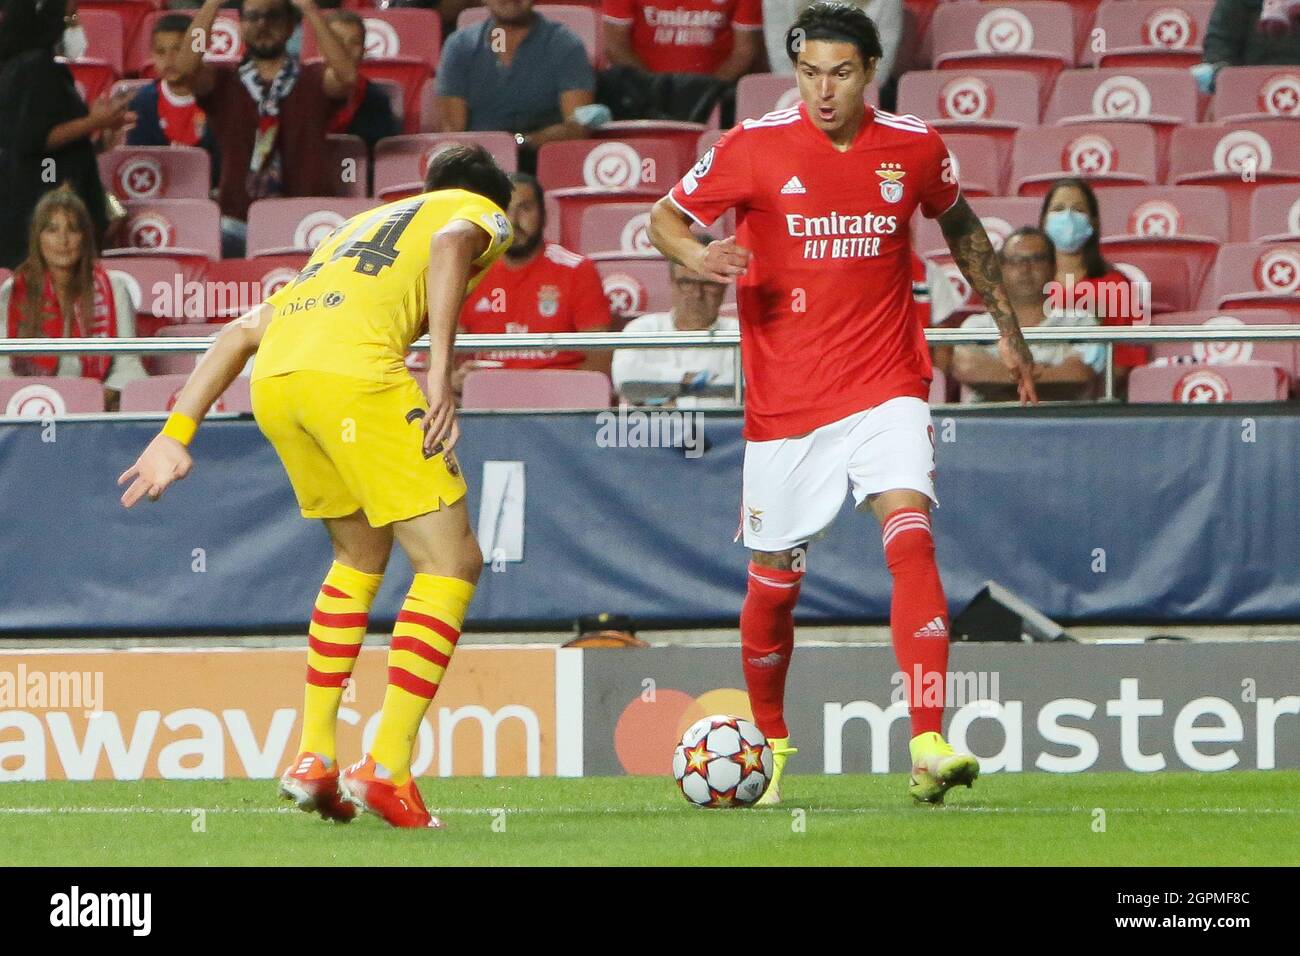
{"x": 1069, "y": 216}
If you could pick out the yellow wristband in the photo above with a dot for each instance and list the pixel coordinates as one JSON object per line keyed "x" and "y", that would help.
{"x": 181, "y": 427}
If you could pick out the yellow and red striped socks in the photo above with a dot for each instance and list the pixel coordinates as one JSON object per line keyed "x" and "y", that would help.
{"x": 338, "y": 626}
{"x": 424, "y": 639}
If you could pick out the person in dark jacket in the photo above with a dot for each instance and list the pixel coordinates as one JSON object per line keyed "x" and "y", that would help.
{"x": 1249, "y": 33}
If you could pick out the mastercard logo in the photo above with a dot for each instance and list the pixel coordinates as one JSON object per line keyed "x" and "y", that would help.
{"x": 652, "y": 725}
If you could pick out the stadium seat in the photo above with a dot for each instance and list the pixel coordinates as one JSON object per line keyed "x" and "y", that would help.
{"x": 92, "y": 78}
{"x": 1171, "y": 276}
{"x": 1196, "y": 384}
{"x": 350, "y": 157}
{"x": 1275, "y": 213}
{"x": 429, "y": 120}
{"x": 1249, "y": 275}
{"x": 536, "y": 389}
{"x": 615, "y": 227}
{"x": 566, "y": 210}
{"x": 137, "y": 173}
{"x": 993, "y": 103}
{"x": 605, "y": 164}
{"x": 1036, "y": 35}
{"x": 158, "y": 393}
{"x": 1245, "y": 93}
{"x": 1189, "y": 220}
{"x": 683, "y": 135}
{"x": 1220, "y": 353}
{"x": 156, "y": 283}
{"x": 50, "y": 396}
{"x": 634, "y": 285}
{"x": 225, "y": 43}
{"x": 179, "y": 363}
{"x": 582, "y": 20}
{"x": 1001, "y": 215}
{"x": 401, "y": 161}
{"x": 174, "y": 226}
{"x": 131, "y": 13}
{"x": 233, "y": 286}
{"x": 105, "y": 37}
{"x": 397, "y": 33}
{"x": 1105, "y": 154}
{"x": 976, "y": 164}
{"x": 297, "y": 225}
{"x": 1240, "y": 158}
{"x": 1140, "y": 33}
{"x": 1159, "y": 98}
{"x": 759, "y": 93}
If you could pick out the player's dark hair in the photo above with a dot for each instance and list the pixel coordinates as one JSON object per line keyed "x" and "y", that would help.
{"x": 471, "y": 167}
{"x": 527, "y": 179}
{"x": 171, "y": 23}
{"x": 1035, "y": 233}
{"x": 835, "y": 22}
{"x": 1094, "y": 263}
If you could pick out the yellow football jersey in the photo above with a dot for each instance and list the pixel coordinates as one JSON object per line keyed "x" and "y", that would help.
{"x": 360, "y": 301}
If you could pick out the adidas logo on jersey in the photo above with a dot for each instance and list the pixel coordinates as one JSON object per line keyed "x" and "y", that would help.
{"x": 934, "y": 628}
{"x": 793, "y": 187}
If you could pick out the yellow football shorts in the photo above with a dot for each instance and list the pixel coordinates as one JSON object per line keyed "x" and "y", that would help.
{"x": 348, "y": 443}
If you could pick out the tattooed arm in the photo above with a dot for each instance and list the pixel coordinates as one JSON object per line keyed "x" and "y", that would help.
{"x": 974, "y": 255}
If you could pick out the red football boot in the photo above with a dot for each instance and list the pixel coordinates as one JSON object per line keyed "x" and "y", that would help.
{"x": 315, "y": 788}
{"x": 397, "y": 806}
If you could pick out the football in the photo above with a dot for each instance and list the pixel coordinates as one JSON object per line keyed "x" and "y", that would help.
{"x": 722, "y": 761}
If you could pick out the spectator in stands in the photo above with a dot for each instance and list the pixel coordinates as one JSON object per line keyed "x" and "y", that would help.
{"x": 167, "y": 113}
{"x": 46, "y": 131}
{"x": 886, "y": 14}
{"x": 1061, "y": 370}
{"x": 367, "y": 112}
{"x": 270, "y": 114}
{"x": 1249, "y": 33}
{"x": 62, "y": 291}
{"x": 537, "y": 286}
{"x": 688, "y": 377}
{"x": 515, "y": 72}
{"x": 718, "y": 38}
{"x": 1085, "y": 279}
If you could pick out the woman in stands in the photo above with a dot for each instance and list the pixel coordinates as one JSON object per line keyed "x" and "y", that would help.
{"x": 62, "y": 291}
{"x": 1088, "y": 282}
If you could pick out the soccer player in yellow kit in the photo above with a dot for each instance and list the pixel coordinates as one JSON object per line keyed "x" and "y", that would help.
{"x": 367, "y": 455}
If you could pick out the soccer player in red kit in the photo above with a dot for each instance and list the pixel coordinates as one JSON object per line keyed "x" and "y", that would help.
{"x": 834, "y": 357}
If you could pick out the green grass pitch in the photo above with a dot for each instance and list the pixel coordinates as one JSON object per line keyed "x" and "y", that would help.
{"x": 1033, "y": 819}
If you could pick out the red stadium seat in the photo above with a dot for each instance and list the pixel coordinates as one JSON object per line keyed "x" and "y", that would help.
{"x": 1160, "y": 98}
{"x": 1036, "y": 35}
{"x": 1249, "y": 275}
{"x": 50, "y": 397}
{"x": 1001, "y": 215}
{"x": 976, "y": 164}
{"x": 399, "y": 33}
{"x": 170, "y": 226}
{"x": 1275, "y": 213}
{"x": 131, "y": 13}
{"x": 684, "y": 135}
{"x": 536, "y": 389}
{"x": 350, "y": 158}
{"x": 567, "y": 208}
{"x": 1105, "y": 154}
{"x": 1170, "y": 276}
{"x": 582, "y": 20}
{"x": 615, "y": 227}
{"x": 158, "y": 393}
{"x": 297, "y": 225}
{"x": 92, "y": 78}
{"x": 233, "y": 286}
{"x": 179, "y": 363}
{"x": 139, "y": 173}
{"x": 225, "y": 43}
{"x": 1197, "y": 384}
{"x": 1222, "y": 353}
{"x": 634, "y": 285}
{"x": 105, "y": 39}
{"x": 759, "y": 93}
{"x": 401, "y": 161}
{"x": 1191, "y": 221}
{"x": 1240, "y": 158}
{"x": 1139, "y": 33}
{"x": 1244, "y": 93}
{"x": 156, "y": 284}
{"x": 606, "y": 164}
{"x": 429, "y": 120}
{"x": 992, "y": 103}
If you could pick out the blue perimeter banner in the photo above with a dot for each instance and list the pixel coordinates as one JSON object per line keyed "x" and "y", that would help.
{"x": 1096, "y": 515}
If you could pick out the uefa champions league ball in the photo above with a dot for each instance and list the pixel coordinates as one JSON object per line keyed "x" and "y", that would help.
{"x": 722, "y": 761}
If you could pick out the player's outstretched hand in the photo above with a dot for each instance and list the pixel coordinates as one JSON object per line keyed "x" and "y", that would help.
{"x": 724, "y": 260}
{"x": 441, "y": 429}
{"x": 1016, "y": 356}
{"x": 164, "y": 460}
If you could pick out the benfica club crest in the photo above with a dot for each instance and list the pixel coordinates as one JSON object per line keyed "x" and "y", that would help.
{"x": 548, "y": 301}
{"x": 891, "y": 186}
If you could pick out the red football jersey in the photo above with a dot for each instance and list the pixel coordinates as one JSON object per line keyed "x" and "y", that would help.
{"x": 559, "y": 291}
{"x": 827, "y": 318}
{"x": 691, "y": 36}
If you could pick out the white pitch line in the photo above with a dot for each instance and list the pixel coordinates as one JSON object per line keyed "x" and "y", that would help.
{"x": 587, "y": 811}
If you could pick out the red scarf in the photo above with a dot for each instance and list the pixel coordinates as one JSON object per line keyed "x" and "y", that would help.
{"x": 344, "y": 115}
{"x": 102, "y": 325}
